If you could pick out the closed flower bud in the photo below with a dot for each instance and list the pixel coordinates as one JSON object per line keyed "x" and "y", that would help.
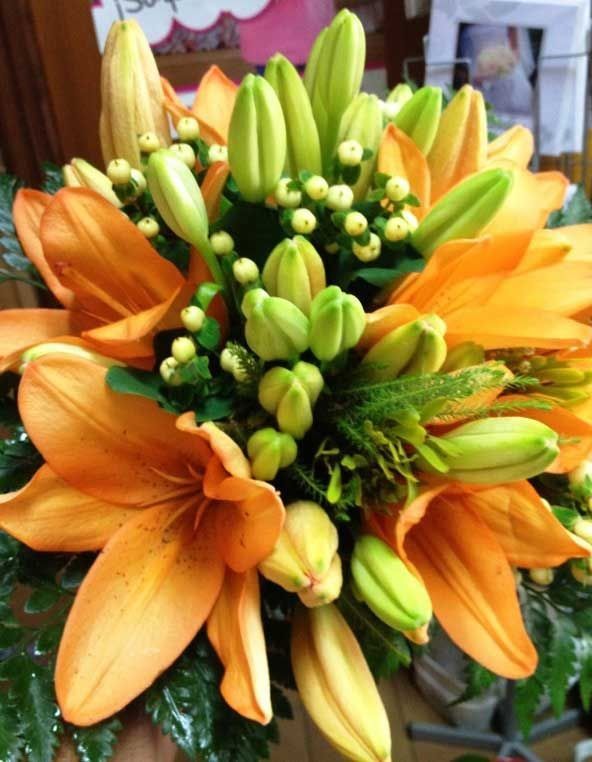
{"x": 286, "y": 197}
{"x": 188, "y": 128}
{"x": 400, "y": 94}
{"x": 81, "y": 174}
{"x": 119, "y": 171}
{"x": 169, "y": 372}
{"x": 185, "y": 153}
{"x": 295, "y": 271}
{"x": 302, "y": 137}
{"x": 350, "y": 153}
{"x": 387, "y": 587}
{"x": 498, "y": 450}
{"x": 464, "y": 211}
{"x": 355, "y": 224}
{"x": 227, "y": 361}
{"x": 303, "y": 221}
{"x": 290, "y": 395}
{"x": 132, "y": 99}
{"x": 149, "y": 227}
{"x": 583, "y": 528}
{"x": 389, "y": 110}
{"x": 397, "y": 188}
{"x": 370, "y": 251}
{"x": 316, "y": 187}
{"x": 325, "y": 590}
{"x": 580, "y": 572}
{"x": 463, "y": 356}
{"x": 245, "y": 271}
{"x": 183, "y": 349}
{"x": 362, "y": 121}
{"x": 542, "y": 577}
{"x": 193, "y": 318}
{"x": 216, "y": 153}
{"x": 341, "y": 47}
{"x": 149, "y": 142}
{"x": 269, "y": 450}
{"x": 340, "y": 198}
{"x": 336, "y": 685}
{"x": 414, "y": 347}
{"x": 256, "y": 139}
{"x": 222, "y": 243}
{"x": 337, "y": 321}
{"x": 57, "y": 347}
{"x": 396, "y": 229}
{"x": 276, "y": 329}
{"x": 420, "y": 116}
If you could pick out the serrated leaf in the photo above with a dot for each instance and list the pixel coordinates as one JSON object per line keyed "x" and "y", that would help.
{"x": 578, "y": 210}
{"x": 528, "y": 695}
{"x": 32, "y": 691}
{"x": 41, "y": 600}
{"x": 561, "y": 664}
{"x": 75, "y": 571}
{"x": 10, "y": 636}
{"x": 49, "y": 639}
{"x": 586, "y": 680}
{"x": 10, "y": 741}
{"x": 97, "y": 743}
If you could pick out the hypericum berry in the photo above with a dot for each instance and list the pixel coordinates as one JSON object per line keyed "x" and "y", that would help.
{"x": 397, "y": 188}
{"x": 149, "y": 142}
{"x": 168, "y": 371}
{"x": 303, "y": 221}
{"x": 316, "y": 188}
{"x": 217, "y": 152}
{"x": 350, "y": 153}
{"x": 148, "y": 226}
{"x": 119, "y": 171}
{"x": 222, "y": 243}
{"x": 410, "y": 219}
{"x": 183, "y": 349}
{"x": 193, "y": 318}
{"x": 188, "y": 128}
{"x": 542, "y": 577}
{"x": 184, "y": 152}
{"x": 396, "y": 229}
{"x": 340, "y": 198}
{"x": 286, "y": 197}
{"x": 245, "y": 271}
{"x": 370, "y": 251}
{"x": 227, "y": 360}
{"x": 139, "y": 180}
{"x": 355, "y": 223}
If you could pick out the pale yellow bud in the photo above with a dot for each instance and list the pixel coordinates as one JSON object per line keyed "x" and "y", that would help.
{"x": 193, "y": 318}
{"x": 216, "y": 153}
{"x": 340, "y": 198}
{"x": 303, "y": 221}
{"x": 149, "y": 142}
{"x": 222, "y": 243}
{"x": 355, "y": 223}
{"x": 410, "y": 219}
{"x": 542, "y": 577}
{"x": 188, "y": 128}
{"x": 349, "y": 153}
{"x": 119, "y": 171}
{"x": 149, "y": 227}
{"x": 245, "y": 271}
{"x": 397, "y": 188}
{"x": 396, "y": 229}
{"x": 184, "y": 152}
{"x": 316, "y": 187}
{"x": 183, "y": 349}
{"x": 286, "y": 197}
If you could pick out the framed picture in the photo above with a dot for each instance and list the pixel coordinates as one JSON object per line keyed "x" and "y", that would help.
{"x": 525, "y": 56}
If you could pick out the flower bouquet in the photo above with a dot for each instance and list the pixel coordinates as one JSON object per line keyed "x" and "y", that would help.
{"x": 315, "y": 365}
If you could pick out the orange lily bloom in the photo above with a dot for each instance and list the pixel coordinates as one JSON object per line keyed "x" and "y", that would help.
{"x": 181, "y": 525}
{"x": 462, "y": 541}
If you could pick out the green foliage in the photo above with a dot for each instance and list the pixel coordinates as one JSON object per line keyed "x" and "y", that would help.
{"x": 52, "y": 178}
{"x": 478, "y": 680}
{"x": 578, "y": 210}
{"x": 18, "y": 460}
{"x": 96, "y": 743}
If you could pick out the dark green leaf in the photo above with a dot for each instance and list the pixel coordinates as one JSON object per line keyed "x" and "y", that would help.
{"x": 381, "y": 179}
{"x": 97, "y": 743}
{"x": 209, "y": 334}
{"x": 528, "y": 695}
{"x": 567, "y": 516}
{"x": 382, "y": 276}
{"x": 412, "y": 200}
{"x": 10, "y": 636}
{"x": 578, "y": 210}
{"x": 204, "y": 295}
{"x": 561, "y": 660}
{"x": 53, "y": 179}
{"x": 10, "y": 741}
{"x": 41, "y": 600}
{"x": 49, "y": 639}
{"x": 586, "y": 680}
{"x": 213, "y": 409}
{"x": 478, "y": 680}
{"x": 137, "y": 382}
{"x": 75, "y": 571}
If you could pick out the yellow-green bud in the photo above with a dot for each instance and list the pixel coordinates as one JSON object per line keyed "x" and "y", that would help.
{"x": 337, "y": 321}
{"x": 188, "y": 128}
{"x": 119, "y": 171}
{"x": 414, "y": 347}
{"x": 316, "y": 188}
{"x": 222, "y": 243}
{"x": 295, "y": 271}
{"x": 340, "y": 198}
{"x": 580, "y": 474}
{"x": 138, "y": 178}
{"x": 583, "y": 528}
{"x": 396, "y": 229}
{"x": 184, "y": 152}
{"x": 149, "y": 142}
{"x": 580, "y": 572}
{"x": 227, "y": 361}
{"x": 387, "y": 587}
{"x": 290, "y": 395}
{"x": 216, "y": 153}
{"x": 269, "y": 450}
{"x": 302, "y": 137}
{"x": 410, "y": 219}
{"x": 397, "y": 188}
{"x": 80, "y": 174}
{"x": 58, "y": 347}
{"x": 325, "y": 590}
{"x": 400, "y": 94}
{"x": 193, "y": 318}
{"x": 276, "y": 329}
{"x": 420, "y": 116}
{"x": 498, "y": 450}
{"x": 355, "y": 223}
{"x": 370, "y": 251}
{"x": 245, "y": 271}
{"x": 463, "y": 356}
{"x": 256, "y": 139}
{"x": 149, "y": 227}
{"x": 286, "y": 197}
{"x": 542, "y": 577}
{"x": 464, "y": 211}
{"x": 303, "y": 221}
{"x": 183, "y": 349}
{"x": 362, "y": 121}
{"x": 349, "y": 153}
{"x": 304, "y": 554}
{"x": 169, "y": 368}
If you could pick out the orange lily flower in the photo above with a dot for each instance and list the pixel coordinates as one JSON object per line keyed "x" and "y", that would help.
{"x": 462, "y": 542}
{"x": 181, "y": 526}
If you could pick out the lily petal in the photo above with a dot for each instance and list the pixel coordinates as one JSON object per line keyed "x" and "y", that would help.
{"x": 236, "y": 633}
{"x": 580, "y": 238}
{"x": 213, "y": 105}
{"x": 383, "y": 321}
{"x": 515, "y": 145}
{"x": 212, "y": 187}
{"x": 172, "y": 103}
{"x": 398, "y": 155}
{"x": 49, "y": 515}
{"x": 143, "y": 601}
{"x": 230, "y": 454}
{"x": 21, "y": 329}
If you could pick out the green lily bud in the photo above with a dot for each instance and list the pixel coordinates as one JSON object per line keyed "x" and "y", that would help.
{"x": 362, "y": 121}
{"x": 290, "y": 395}
{"x": 256, "y": 139}
{"x": 304, "y": 558}
{"x": 269, "y": 450}
{"x": 400, "y": 94}
{"x": 80, "y": 174}
{"x": 341, "y": 47}
{"x": 498, "y": 450}
{"x": 276, "y": 329}
{"x": 295, "y": 271}
{"x": 337, "y": 321}
{"x": 387, "y": 587}
{"x": 414, "y": 347}
{"x": 302, "y": 137}
{"x": 464, "y": 211}
{"x": 463, "y": 356}
{"x": 420, "y": 116}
